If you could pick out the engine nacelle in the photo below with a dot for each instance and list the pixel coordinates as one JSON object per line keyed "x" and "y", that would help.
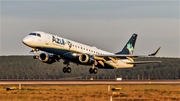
{"x": 86, "y": 59}
{"x": 47, "y": 58}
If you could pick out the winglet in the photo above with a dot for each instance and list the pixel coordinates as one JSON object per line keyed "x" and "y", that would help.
{"x": 153, "y": 54}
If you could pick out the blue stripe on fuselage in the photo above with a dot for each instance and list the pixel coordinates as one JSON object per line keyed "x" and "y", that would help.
{"x": 67, "y": 55}
{"x": 54, "y": 51}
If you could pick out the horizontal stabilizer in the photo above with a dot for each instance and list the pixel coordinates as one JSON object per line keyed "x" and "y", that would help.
{"x": 127, "y": 55}
{"x": 143, "y": 62}
{"x": 153, "y": 54}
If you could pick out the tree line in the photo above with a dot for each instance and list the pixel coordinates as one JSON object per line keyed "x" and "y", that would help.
{"x": 25, "y": 67}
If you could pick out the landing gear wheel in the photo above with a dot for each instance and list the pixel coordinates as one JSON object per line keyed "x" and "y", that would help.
{"x": 68, "y": 70}
{"x": 93, "y": 70}
{"x": 35, "y": 57}
{"x": 64, "y": 69}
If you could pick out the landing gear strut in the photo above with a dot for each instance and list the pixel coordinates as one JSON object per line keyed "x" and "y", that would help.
{"x": 93, "y": 70}
{"x": 66, "y": 69}
{"x": 36, "y": 52}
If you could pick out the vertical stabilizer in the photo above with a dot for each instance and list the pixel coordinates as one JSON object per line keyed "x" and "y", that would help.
{"x": 130, "y": 45}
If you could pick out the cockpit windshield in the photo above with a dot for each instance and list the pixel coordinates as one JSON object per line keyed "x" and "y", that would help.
{"x": 35, "y": 34}
{"x": 39, "y": 35}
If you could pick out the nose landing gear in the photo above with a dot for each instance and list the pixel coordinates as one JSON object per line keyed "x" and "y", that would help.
{"x": 34, "y": 50}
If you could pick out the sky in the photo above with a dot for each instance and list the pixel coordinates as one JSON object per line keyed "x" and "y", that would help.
{"x": 107, "y": 25}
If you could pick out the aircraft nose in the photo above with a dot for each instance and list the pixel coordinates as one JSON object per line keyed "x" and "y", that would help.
{"x": 26, "y": 40}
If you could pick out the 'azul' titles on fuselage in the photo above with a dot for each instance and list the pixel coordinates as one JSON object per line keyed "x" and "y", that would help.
{"x": 58, "y": 40}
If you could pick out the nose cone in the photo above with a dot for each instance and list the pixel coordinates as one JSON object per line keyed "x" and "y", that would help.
{"x": 26, "y": 41}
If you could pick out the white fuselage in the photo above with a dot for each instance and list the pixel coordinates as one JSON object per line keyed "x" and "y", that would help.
{"x": 61, "y": 46}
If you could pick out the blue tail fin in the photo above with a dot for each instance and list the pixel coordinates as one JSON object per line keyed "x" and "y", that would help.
{"x": 129, "y": 47}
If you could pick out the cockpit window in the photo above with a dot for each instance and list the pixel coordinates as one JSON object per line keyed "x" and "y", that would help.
{"x": 39, "y": 35}
{"x": 32, "y": 34}
{"x": 35, "y": 34}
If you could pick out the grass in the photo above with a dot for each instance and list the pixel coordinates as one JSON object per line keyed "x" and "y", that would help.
{"x": 90, "y": 93}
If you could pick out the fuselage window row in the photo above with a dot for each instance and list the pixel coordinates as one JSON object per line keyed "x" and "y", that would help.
{"x": 87, "y": 49}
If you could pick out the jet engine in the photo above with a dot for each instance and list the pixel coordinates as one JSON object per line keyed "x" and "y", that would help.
{"x": 48, "y": 58}
{"x": 86, "y": 59}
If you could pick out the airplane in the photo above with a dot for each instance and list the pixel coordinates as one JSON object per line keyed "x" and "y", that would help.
{"x": 50, "y": 48}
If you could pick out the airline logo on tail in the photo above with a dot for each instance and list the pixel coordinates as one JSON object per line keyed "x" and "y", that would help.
{"x": 130, "y": 48}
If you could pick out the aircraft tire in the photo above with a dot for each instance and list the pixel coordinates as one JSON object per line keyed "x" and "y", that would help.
{"x": 34, "y": 57}
{"x": 68, "y": 70}
{"x": 91, "y": 70}
{"x": 95, "y": 70}
{"x": 64, "y": 70}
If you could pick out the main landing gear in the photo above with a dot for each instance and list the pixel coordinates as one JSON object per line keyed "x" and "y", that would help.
{"x": 66, "y": 69}
{"x": 93, "y": 70}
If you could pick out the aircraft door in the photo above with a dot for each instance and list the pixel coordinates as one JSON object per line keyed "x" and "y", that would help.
{"x": 47, "y": 39}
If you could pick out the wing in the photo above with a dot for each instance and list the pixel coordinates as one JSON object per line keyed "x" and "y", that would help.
{"x": 113, "y": 57}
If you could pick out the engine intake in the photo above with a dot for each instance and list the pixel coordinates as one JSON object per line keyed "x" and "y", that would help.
{"x": 86, "y": 59}
{"x": 47, "y": 58}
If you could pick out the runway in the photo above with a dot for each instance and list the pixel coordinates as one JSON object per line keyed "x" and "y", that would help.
{"x": 86, "y": 82}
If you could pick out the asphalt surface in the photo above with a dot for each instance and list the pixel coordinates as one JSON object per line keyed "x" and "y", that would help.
{"x": 87, "y": 82}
